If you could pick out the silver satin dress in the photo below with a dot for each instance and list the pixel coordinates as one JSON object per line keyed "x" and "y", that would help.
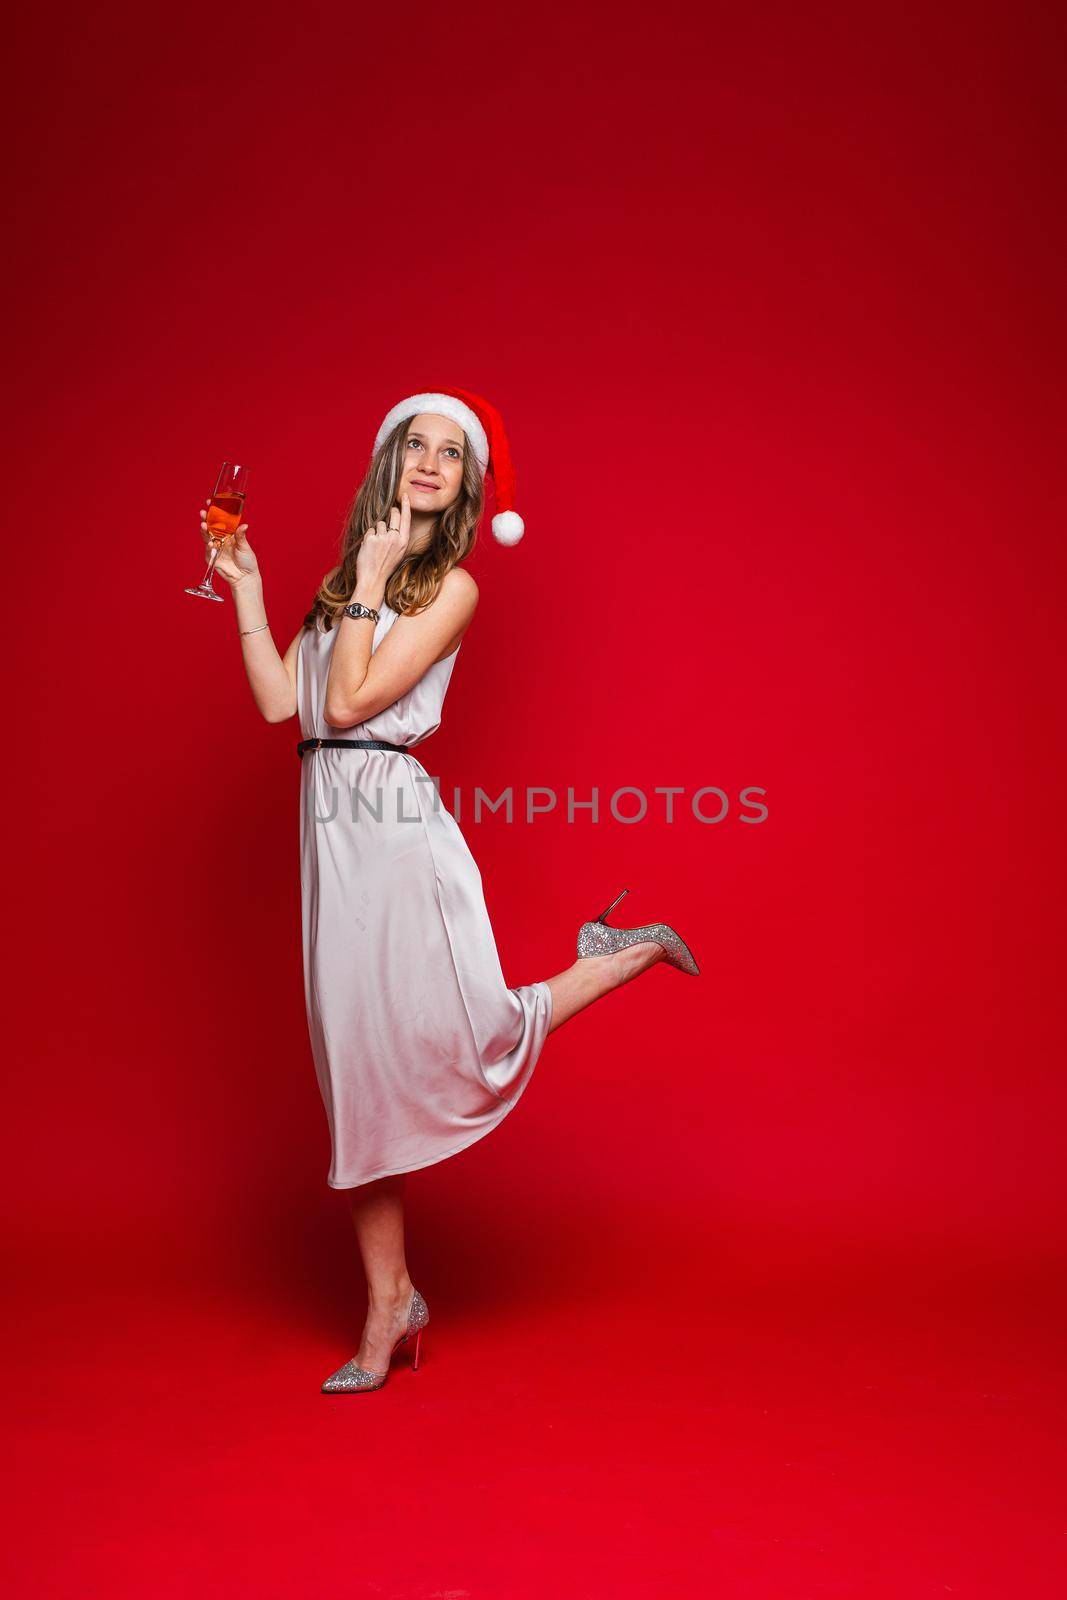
{"x": 420, "y": 1047}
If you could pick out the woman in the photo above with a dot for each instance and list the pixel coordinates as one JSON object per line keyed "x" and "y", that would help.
{"x": 420, "y": 1047}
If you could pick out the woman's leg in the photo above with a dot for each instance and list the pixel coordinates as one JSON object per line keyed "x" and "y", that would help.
{"x": 378, "y": 1218}
{"x": 378, "y": 1207}
{"x": 591, "y": 977}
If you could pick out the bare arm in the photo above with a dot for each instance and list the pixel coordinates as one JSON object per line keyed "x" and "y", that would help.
{"x": 271, "y": 677}
{"x": 362, "y": 683}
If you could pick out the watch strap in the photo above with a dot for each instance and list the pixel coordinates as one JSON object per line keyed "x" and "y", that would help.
{"x": 357, "y": 609}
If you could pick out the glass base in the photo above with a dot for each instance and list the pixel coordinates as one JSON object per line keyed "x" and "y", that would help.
{"x": 206, "y": 592}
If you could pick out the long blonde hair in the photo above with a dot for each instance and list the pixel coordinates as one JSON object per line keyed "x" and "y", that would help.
{"x": 418, "y": 578}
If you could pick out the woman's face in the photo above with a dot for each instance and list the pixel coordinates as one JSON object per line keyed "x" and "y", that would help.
{"x": 432, "y": 472}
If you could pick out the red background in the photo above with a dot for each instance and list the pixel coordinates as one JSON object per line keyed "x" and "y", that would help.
{"x": 772, "y": 308}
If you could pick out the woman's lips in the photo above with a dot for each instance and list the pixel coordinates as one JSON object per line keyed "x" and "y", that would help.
{"x": 415, "y": 484}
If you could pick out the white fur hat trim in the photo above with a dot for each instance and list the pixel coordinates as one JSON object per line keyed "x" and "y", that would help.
{"x": 446, "y": 405}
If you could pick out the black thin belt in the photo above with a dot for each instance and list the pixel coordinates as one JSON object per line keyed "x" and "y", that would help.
{"x": 363, "y": 744}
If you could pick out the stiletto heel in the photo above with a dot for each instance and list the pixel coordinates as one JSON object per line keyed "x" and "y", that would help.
{"x": 600, "y": 939}
{"x": 353, "y": 1379}
{"x": 603, "y": 917}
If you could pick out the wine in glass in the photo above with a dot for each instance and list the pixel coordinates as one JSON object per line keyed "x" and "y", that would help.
{"x": 224, "y": 513}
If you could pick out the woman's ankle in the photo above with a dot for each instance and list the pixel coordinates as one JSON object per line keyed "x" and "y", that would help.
{"x": 390, "y": 1295}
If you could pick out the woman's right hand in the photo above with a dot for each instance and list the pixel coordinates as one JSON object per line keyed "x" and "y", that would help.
{"x": 237, "y": 560}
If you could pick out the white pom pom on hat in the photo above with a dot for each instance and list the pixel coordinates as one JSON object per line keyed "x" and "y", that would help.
{"x": 484, "y": 427}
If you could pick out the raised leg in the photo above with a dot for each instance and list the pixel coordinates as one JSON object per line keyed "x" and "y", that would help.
{"x": 378, "y": 1218}
{"x": 592, "y": 977}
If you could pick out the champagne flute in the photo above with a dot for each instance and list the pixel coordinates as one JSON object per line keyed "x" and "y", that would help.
{"x": 223, "y": 519}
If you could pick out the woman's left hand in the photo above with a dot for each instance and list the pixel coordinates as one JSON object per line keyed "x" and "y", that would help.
{"x": 383, "y": 548}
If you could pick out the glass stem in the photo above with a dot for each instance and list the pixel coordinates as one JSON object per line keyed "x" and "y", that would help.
{"x": 211, "y": 566}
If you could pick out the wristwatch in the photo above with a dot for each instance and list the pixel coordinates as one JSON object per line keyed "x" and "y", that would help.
{"x": 358, "y": 609}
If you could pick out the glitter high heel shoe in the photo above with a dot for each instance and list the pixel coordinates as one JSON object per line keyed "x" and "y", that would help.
{"x": 597, "y": 939}
{"x": 352, "y": 1378}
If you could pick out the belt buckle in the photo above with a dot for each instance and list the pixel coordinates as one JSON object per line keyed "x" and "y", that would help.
{"x": 318, "y": 744}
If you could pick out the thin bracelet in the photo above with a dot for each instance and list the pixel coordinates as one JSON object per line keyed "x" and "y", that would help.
{"x": 253, "y": 630}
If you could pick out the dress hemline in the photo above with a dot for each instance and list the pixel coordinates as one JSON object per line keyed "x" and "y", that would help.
{"x": 480, "y": 1133}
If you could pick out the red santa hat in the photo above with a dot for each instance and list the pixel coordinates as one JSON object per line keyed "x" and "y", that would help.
{"x": 484, "y": 427}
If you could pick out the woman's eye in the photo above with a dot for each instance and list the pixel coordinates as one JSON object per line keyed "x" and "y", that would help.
{"x": 451, "y": 448}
